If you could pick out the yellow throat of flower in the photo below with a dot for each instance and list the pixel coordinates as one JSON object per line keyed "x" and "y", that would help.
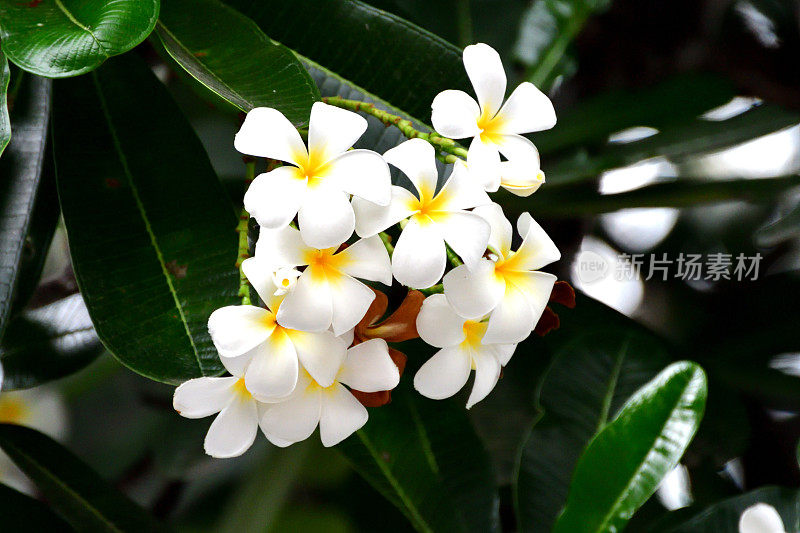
{"x": 491, "y": 127}
{"x": 474, "y": 332}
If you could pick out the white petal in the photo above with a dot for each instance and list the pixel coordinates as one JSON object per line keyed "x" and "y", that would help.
{"x": 362, "y": 173}
{"x": 536, "y": 286}
{"x": 342, "y": 415}
{"x": 326, "y": 218}
{"x": 347, "y": 337}
{"x": 504, "y": 352}
{"x": 308, "y": 307}
{"x": 322, "y": 354}
{"x": 332, "y": 130}
{"x": 351, "y": 299}
{"x": 467, "y": 234}
{"x": 455, "y": 114}
{"x": 461, "y": 191}
{"x": 234, "y": 430}
{"x": 238, "y": 365}
{"x": 520, "y": 150}
{"x": 259, "y": 274}
{"x": 369, "y": 368}
{"x": 281, "y": 247}
{"x": 419, "y": 256}
{"x": 372, "y": 218}
{"x": 483, "y": 160}
{"x": 518, "y": 179}
{"x": 236, "y": 329}
{"x": 272, "y": 373}
{"x": 417, "y": 159}
{"x": 294, "y": 419}
{"x": 500, "y": 238}
{"x": 485, "y": 71}
{"x": 444, "y": 374}
{"x": 438, "y": 324}
{"x": 473, "y": 294}
{"x": 527, "y": 109}
{"x": 274, "y": 198}
{"x": 537, "y": 248}
{"x": 512, "y": 320}
{"x": 201, "y": 397}
{"x": 487, "y": 372}
{"x": 368, "y": 259}
{"x": 267, "y": 133}
{"x": 761, "y": 518}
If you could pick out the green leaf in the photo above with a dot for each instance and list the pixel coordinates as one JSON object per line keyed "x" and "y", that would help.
{"x": 593, "y": 375}
{"x": 23, "y": 514}
{"x": 149, "y": 225}
{"x": 547, "y": 30}
{"x": 624, "y": 464}
{"x": 231, "y": 56}
{"x": 723, "y": 517}
{"x": 77, "y": 493}
{"x": 424, "y": 456}
{"x": 386, "y": 55}
{"x": 21, "y": 169}
{"x": 48, "y": 343}
{"x": 61, "y": 38}
{"x": 5, "y": 121}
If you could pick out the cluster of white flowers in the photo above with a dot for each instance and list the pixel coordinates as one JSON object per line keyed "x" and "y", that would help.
{"x": 294, "y": 362}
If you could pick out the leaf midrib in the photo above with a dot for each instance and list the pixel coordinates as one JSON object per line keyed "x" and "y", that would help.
{"x": 66, "y": 488}
{"x": 145, "y": 219}
{"x": 85, "y": 28}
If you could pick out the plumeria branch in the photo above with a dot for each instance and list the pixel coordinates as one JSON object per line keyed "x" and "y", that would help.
{"x": 405, "y": 126}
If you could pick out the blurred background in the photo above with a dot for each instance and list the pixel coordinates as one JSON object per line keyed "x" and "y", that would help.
{"x": 683, "y": 113}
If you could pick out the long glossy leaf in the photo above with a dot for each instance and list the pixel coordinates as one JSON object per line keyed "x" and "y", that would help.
{"x": 624, "y": 464}
{"x": 23, "y": 514}
{"x": 424, "y": 456}
{"x": 231, "y": 56}
{"x": 149, "y": 225}
{"x": 5, "y": 121}
{"x": 386, "y": 55}
{"x": 593, "y": 375}
{"x": 79, "y": 495}
{"x": 48, "y": 343}
{"x": 723, "y": 517}
{"x": 60, "y": 38}
{"x": 20, "y": 172}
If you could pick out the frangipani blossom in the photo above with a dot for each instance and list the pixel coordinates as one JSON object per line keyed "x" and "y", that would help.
{"x": 327, "y": 293}
{"x": 463, "y": 348}
{"x": 507, "y": 284}
{"x": 761, "y": 518}
{"x": 495, "y": 127}
{"x": 317, "y": 187}
{"x": 419, "y": 257}
{"x": 367, "y": 367}
{"x": 250, "y": 341}
{"x": 235, "y": 427}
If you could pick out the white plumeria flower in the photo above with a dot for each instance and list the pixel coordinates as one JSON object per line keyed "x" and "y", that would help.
{"x": 326, "y": 293}
{"x": 317, "y": 187}
{"x": 506, "y": 284}
{"x": 250, "y": 340}
{"x": 367, "y": 367}
{"x": 235, "y": 427}
{"x": 463, "y": 348}
{"x": 761, "y": 518}
{"x": 495, "y": 127}
{"x": 419, "y": 256}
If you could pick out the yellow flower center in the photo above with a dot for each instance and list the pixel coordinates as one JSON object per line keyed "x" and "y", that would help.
{"x": 491, "y": 127}
{"x": 324, "y": 263}
{"x": 310, "y": 168}
{"x": 240, "y": 390}
{"x": 429, "y": 206}
{"x": 473, "y": 332}
{"x": 12, "y": 410}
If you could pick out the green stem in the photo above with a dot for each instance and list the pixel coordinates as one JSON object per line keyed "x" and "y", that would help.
{"x": 244, "y": 246}
{"x": 436, "y": 289}
{"x": 405, "y": 126}
{"x": 464, "y": 20}
{"x": 387, "y": 242}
